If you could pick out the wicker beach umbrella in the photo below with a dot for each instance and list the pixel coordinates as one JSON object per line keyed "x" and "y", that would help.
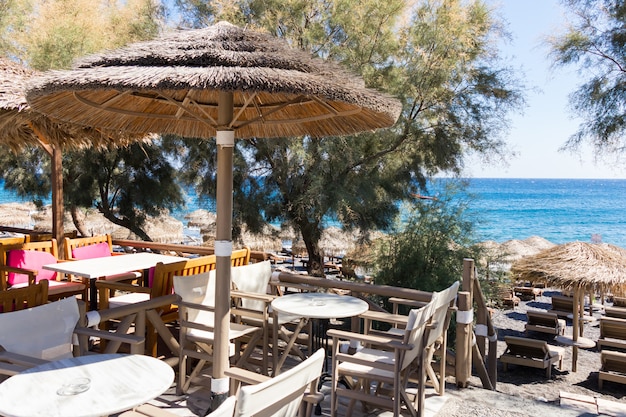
{"x": 222, "y": 81}
{"x": 20, "y": 126}
{"x": 576, "y": 266}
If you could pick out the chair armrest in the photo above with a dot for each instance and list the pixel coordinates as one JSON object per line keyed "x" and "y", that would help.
{"x": 407, "y": 302}
{"x": 394, "y": 319}
{"x": 14, "y": 363}
{"x": 380, "y": 340}
{"x": 268, "y": 298}
{"x": 245, "y": 376}
{"x": 32, "y": 274}
{"x": 113, "y": 337}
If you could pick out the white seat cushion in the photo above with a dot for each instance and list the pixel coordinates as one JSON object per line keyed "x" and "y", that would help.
{"x": 126, "y": 299}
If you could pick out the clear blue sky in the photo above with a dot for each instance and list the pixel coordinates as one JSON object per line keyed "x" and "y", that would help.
{"x": 546, "y": 123}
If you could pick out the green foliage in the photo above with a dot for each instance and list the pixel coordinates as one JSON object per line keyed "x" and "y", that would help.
{"x": 595, "y": 42}
{"x": 426, "y": 250}
{"x": 438, "y": 57}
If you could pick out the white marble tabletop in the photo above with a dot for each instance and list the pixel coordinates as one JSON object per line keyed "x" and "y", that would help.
{"x": 112, "y": 265}
{"x": 319, "y": 305}
{"x": 114, "y": 383}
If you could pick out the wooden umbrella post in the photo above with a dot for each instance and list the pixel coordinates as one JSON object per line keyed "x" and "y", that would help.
{"x": 223, "y": 249}
{"x": 575, "y": 328}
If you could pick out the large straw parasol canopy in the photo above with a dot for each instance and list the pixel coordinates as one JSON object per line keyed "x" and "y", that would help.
{"x": 575, "y": 264}
{"x": 21, "y": 126}
{"x": 224, "y": 82}
{"x": 172, "y": 85}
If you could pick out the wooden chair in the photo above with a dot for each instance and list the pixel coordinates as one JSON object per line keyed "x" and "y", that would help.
{"x": 292, "y": 393}
{"x": 251, "y": 301}
{"x": 544, "y": 322}
{"x": 612, "y": 334}
{"x": 532, "y": 353}
{"x": 388, "y": 361}
{"x": 96, "y": 247}
{"x": 613, "y": 367}
{"x": 22, "y": 265}
{"x": 20, "y": 298}
{"x": 196, "y": 319}
{"x": 33, "y": 336}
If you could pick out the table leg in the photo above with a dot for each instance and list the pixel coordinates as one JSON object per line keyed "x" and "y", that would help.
{"x": 93, "y": 294}
{"x": 280, "y": 361}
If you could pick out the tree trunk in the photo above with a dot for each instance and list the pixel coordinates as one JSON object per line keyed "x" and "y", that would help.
{"x": 311, "y": 235}
{"x": 108, "y": 214}
{"x": 78, "y": 223}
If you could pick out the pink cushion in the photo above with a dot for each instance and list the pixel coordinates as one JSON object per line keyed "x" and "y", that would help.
{"x": 30, "y": 259}
{"x": 98, "y": 250}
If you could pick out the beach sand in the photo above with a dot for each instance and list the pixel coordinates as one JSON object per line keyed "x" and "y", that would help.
{"x": 524, "y": 391}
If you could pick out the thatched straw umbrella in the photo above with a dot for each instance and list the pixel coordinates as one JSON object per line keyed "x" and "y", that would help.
{"x": 20, "y": 127}
{"x": 225, "y": 82}
{"x": 577, "y": 266}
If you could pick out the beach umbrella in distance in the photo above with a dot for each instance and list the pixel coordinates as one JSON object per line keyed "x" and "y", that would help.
{"x": 224, "y": 82}
{"x": 576, "y": 266}
{"x": 20, "y": 127}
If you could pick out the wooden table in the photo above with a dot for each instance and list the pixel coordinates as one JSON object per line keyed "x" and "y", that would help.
{"x": 317, "y": 306}
{"x": 115, "y": 383}
{"x": 95, "y": 268}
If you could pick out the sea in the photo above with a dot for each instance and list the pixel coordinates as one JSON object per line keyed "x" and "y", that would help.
{"x": 559, "y": 210}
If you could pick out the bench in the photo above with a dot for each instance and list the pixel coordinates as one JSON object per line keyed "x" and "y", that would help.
{"x": 613, "y": 367}
{"x": 619, "y": 301}
{"x": 532, "y": 353}
{"x": 544, "y": 322}
{"x": 562, "y": 306}
{"x": 612, "y": 334}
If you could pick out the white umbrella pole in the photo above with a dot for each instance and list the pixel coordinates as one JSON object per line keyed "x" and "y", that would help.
{"x": 223, "y": 249}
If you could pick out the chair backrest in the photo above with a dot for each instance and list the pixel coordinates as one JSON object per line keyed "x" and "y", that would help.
{"x": 280, "y": 396}
{"x": 24, "y": 297}
{"x": 542, "y": 318}
{"x": 43, "y": 332}
{"x": 30, "y": 255}
{"x": 612, "y": 328}
{"x": 162, "y": 282}
{"x": 198, "y": 289}
{"x": 253, "y": 278}
{"x": 528, "y": 348}
{"x": 88, "y": 247}
{"x": 414, "y": 333}
{"x": 440, "y": 320}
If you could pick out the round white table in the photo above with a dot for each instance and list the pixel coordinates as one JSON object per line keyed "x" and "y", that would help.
{"x": 114, "y": 383}
{"x": 319, "y": 306}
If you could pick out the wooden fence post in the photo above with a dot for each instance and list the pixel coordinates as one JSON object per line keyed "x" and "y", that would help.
{"x": 464, "y": 333}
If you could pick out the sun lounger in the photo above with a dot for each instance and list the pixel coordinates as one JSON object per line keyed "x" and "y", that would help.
{"x": 532, "y": 353}
{"x": 612, "y": 334}
{"x": 618, "y": 312}
{"x": 527, "y": 292}
{"x": 562, "y": 306}
{"x": 544, "y": 322}
{"x": 613, "y": 367}
{"x": 508, "y": 297}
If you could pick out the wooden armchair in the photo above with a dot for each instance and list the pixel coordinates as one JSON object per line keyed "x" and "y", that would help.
{"x": 544, "y": 322}
{"x": 161, "y": 283}
{"x": 22, "y": 265}
{"x": 197, "y": 318}
{"x": 532, "y": 353}
{"x": 391, "y": 361}
{"x": 96, "y": 247}
{"x": 290, "y": 394}
{"x": 25, "y": 297}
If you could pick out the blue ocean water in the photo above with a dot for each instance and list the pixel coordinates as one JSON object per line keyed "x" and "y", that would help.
{"x": 560, "y": 210}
